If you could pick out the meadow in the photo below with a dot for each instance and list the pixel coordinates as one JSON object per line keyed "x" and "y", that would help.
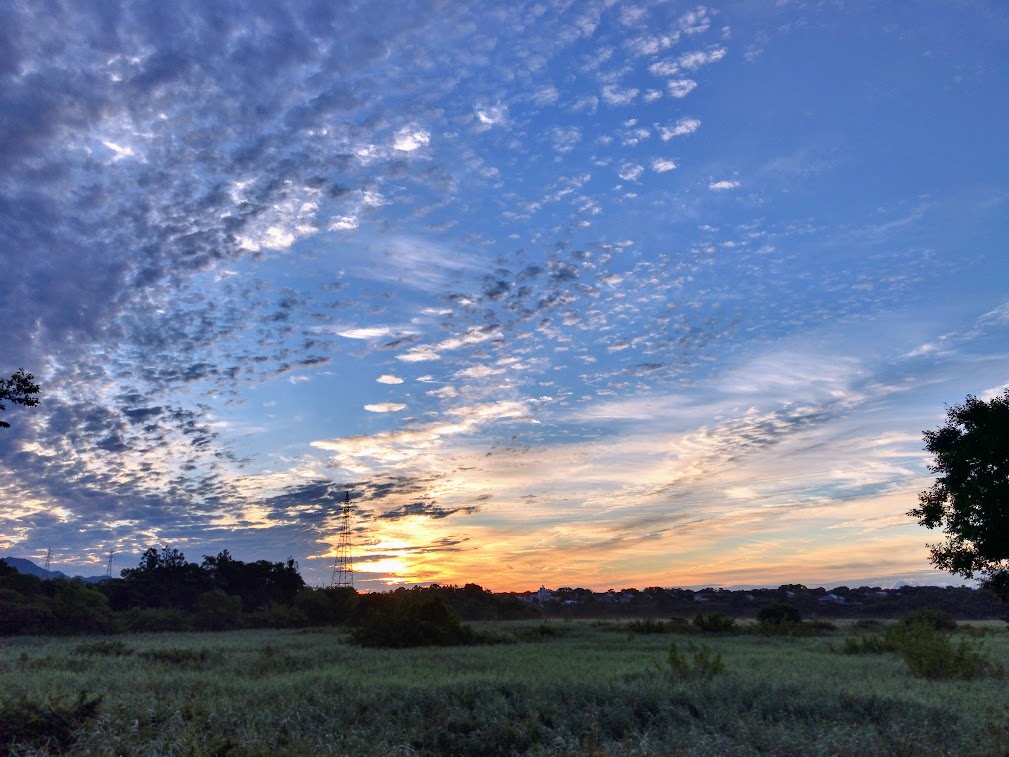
{"x": 554, "y": 688}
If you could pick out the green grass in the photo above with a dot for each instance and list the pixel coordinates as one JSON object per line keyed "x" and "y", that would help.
{"x": 575, "y": 689}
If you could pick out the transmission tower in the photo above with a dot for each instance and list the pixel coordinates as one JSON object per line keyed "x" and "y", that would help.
{"x": 108, "y": 569}
{"x": 49, "y": 559}
{"x": 343, "y": 565}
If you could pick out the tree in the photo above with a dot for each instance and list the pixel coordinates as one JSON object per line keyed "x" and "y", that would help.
{"x": 20, "y": 389}
{"x": 970, "y": 498}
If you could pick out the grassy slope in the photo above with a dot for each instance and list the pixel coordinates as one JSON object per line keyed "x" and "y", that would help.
{"x": 590, "y": 688}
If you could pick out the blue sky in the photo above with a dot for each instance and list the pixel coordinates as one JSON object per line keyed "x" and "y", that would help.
{"x": 595, "y": 294}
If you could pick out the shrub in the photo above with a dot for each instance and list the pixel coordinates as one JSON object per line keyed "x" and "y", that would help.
{"x": 648, "y": 625}
{"x": 930, "y": 654}
{"x": 217, "y": 610}
{"x": 871, "y": 644}
{"x": 48, "y": 727}
{"x": 714, "y": 622}
{"x": 778, "y": 614}
{"x": 702, "y": 661}
{"x": 540, "y": 632}
{"x": 936, "y": 619}
{"x": 154, "y": 619}
{"x": 411, "y": 619}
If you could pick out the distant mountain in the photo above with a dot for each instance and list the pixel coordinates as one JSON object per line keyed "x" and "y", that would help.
{"x": 27, "y": 566}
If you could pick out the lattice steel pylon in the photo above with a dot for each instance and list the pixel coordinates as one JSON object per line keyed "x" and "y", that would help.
{"x": 343, "y": 565}
{"x": 108, "y": 569}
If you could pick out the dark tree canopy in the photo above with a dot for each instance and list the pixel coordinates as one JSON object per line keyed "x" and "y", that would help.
{"x": 970, "y": 497}
{"x": 20, "y": 389}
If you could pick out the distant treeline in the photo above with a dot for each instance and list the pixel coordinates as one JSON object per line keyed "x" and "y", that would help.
{"x": 843, "y": 602}
{"x": 167, "y": 593}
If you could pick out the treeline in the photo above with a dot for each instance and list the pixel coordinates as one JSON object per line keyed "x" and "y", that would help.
{"x": 165, "y": 592}
{"x": 960, "y": 602}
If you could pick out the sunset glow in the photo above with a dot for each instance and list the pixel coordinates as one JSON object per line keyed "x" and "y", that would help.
{"x": 598, "y": 294}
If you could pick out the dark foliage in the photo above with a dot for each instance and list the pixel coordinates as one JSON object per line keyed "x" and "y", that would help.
{"x": 970, "y": 497}
{"x": 714, "y": 622}
{"x": 934, "y": 619}
{"x": 20, "y": 389}
{"x": 649, "y": 625}
{"x": 778, "y": 614}
{"x": 50, "y": 726}
{"x": 409, "y": 619}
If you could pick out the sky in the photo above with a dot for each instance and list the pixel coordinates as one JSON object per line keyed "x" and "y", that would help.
{"x": 603, "y": 294}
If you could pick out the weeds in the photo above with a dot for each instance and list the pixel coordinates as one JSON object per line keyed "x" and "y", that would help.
{"x": 931, "y": 654}
{"x": 928, "y": 651}
{"x": 648, "y": 625}
{"x": 714, "y": 622}
{"x": 50, "y": 726}
{"x": 699, "y": 662}
{"x": 106, "y": 648}
{"x": 870, "y": 644}
{"x": 180, "y": 657}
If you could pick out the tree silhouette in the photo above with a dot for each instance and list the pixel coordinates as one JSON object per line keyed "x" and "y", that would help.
{"x": 20, "y": 389}
{"x": 970, "y": 498}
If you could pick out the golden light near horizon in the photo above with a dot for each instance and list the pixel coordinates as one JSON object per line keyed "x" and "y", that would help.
{"x": 600, "y": 300}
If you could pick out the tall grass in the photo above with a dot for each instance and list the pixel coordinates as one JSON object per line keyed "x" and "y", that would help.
{"x": 581, "y": 689}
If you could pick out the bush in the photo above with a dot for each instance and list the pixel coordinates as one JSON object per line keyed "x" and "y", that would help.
{"x": 714, "y": 622}
{"x": 648, "y": 625}
{"x": 702, "y": 662}
{"x": 154, "y": 619}
{"x": 410, "y": 619}
{"x": 49, "y": 727}
{"x": 936, "y": 619}
{"x": 778, "y": 614}
{"x": 218, "y": 611}
{"x": 871, "y": 644}
{"x": 930, "y": 654}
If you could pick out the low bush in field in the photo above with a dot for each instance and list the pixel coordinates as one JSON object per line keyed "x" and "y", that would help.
{"x": 540, "y": 632}
{"x": 779, "y": 614}
{"x": 648, "y": 625}
{"x": 714, "y": 622}
{"x": 931, "y": 654}
{"x": 177, "y": 657}
{"x": 928, "y": 651}
{"x": 106, "y": 648}
{"x": 935, "y": 619}
{"x": 870, "y": 644}
{"x": 411, "y": 619}
{"x": 699, "y": 662}
{"x": 50, "y": 726}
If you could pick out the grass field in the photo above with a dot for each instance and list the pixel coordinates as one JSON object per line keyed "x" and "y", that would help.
{"x": 566, "y": 688}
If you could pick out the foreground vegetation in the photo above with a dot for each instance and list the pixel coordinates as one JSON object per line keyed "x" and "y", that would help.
{"x": 555, "y": 688}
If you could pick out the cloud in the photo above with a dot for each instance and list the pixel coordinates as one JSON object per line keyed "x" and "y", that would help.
{"x": 385, "y": 407}
{"x": 631, "y": 171}
{"x": 494, "y": 115}
{"x": 565, "y": 138}
{"x": 721, "y": 186}
{"x": 660, "y": 165}
{"x": 681, "y": 127}
{"x": 696, "y": 59}
{"x": 389, "y": 379}
{"x": 366, "y": 332}
{"x": 681, "y": 87}
{"x": 411, "y": 138}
